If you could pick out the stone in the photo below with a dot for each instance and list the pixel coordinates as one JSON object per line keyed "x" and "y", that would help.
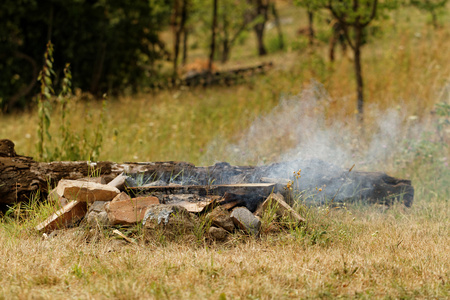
{"x": 280, "y": 208}
{"x": 67, "y": 216}
{"x": 245, "y": 220}
{"x": 161, "y": 213}
{"x": 173, "y": 220}
{"x": 118, "y": 182}
{"x": 122, "y": 196}
{"x": 195, "y": 207}
{"x": 97, "y": 214}
{"x": 217, "y": 233}
{"x": 100, "y": 180}
{"x": 129, "y": 211}
{"x": 220, "y": 217}
{"x": 85, "y": 191}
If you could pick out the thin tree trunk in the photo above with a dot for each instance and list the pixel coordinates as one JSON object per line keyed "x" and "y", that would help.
{"x": 261, "y": 10}
{"x": 226, "y": 39}
{"x": 434, "y": 19}
{"x": 332, "y": 47}
{"x": 311, "y": 27}
{"x": 182, "y": 28}
{"x": 176, "y": 36}
{"x": 98, "y": 68}
{"x": 185, "y": 45}
{"x": 213, "y": 37}
{"x": 278, "y": 26}
{"x": 358, "y": 74}
{"x": 259, "y": 31}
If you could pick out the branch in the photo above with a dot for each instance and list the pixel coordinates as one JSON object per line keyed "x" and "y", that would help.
{"x": 372, "y": 15}
{"x": 347, "y": 37}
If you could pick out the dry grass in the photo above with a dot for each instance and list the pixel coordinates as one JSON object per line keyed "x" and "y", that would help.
{"x": 358, "y": 252}
{"x": 362, "y": 254}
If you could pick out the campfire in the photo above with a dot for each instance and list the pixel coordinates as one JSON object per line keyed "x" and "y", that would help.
{"x": 149, "y": 193}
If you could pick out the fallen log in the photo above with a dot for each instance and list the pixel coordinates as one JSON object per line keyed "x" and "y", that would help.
{"x": 21, "y": 176}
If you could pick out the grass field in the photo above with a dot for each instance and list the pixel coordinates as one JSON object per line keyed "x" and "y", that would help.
{"x": 304, "y": 107}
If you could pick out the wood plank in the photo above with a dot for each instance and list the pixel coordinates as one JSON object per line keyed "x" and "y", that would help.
{"x": 204, "y": 190}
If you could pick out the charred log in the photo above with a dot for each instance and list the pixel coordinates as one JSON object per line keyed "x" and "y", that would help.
{"x": 320, "y": 182}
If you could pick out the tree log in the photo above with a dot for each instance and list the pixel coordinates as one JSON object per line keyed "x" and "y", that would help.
{"x": 21, "y": 176}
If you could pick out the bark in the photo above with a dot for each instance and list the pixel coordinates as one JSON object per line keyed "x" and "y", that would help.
{"x": 213, "y": 37}
{"x": 278, "y": 25}
{"x": 358, "y": 74}
{"x": 311, "y": 27}
{"x": 21, "y": 176}
{"x": 176, "y": 36}
{"x": 98, "y": 68}
{"x": 185, "y": 45}
{"x": 261, "y": 10}
{"x": 358, "y": 24}
{"x": 434, "y": 19}
{"x": 226, "y": 39}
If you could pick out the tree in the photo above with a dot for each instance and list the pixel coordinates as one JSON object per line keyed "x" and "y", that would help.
{"x": 213, "y": 36}
{"x": 178, "y": 22}
{"x": 311, "y": 6}
{"x": 434, "y": 7}
{"x": 355, "y": 15}
{"x": 233, "y": 22}
{"x": 109, "y": 44}
{"x": 274, "y": 11}
{"x": 259, "y": 12}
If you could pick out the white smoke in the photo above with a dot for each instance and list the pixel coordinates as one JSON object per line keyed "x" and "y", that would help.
{"x": 297, "y": 130}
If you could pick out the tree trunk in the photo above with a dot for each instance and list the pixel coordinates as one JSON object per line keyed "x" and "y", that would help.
{"x": 185, "y": 45}
{"x": 98, "y": 68}
{"x": 358, "y": 74}
{"x": 225, "y": 50}
{"x": 259, "y": 31}
{"x": 261, "y": 10}
{"x": 434, "y": 19}
{"x": 331, "y": 51}
{"x": 176, "y": 37}
{"x": 278, "y": 26}
{"x": 212, "y": 49}
{"x": 311, "y": 27}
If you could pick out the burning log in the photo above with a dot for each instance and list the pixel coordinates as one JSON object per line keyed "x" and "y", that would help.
{"x": 320, "y": 182}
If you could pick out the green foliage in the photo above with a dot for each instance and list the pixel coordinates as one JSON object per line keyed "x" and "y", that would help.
{"x": 71, "y": 146}
{"x": 434, "y": 7}
{"x": 44, "y": 106}
{"x": 106, "y": 42}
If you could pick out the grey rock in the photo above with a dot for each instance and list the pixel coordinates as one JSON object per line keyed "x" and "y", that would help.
{"x": 217, "y": 233}
{"x": 245, "y": 220}
{"x": 220, "y": 217}
{"x": 161, "y": 213}
{"x": 97, "y": 214}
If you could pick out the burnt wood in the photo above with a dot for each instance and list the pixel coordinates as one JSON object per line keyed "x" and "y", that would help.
{"x": 21, "y": 176}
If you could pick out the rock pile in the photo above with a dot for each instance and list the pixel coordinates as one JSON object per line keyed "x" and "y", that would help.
{"x": 225, "y": 208}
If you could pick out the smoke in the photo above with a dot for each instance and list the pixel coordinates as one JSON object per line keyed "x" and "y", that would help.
{"x": 297, "y": 130}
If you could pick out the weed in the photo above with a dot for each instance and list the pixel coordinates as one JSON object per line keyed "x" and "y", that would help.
{"x": 71, "y": 146}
